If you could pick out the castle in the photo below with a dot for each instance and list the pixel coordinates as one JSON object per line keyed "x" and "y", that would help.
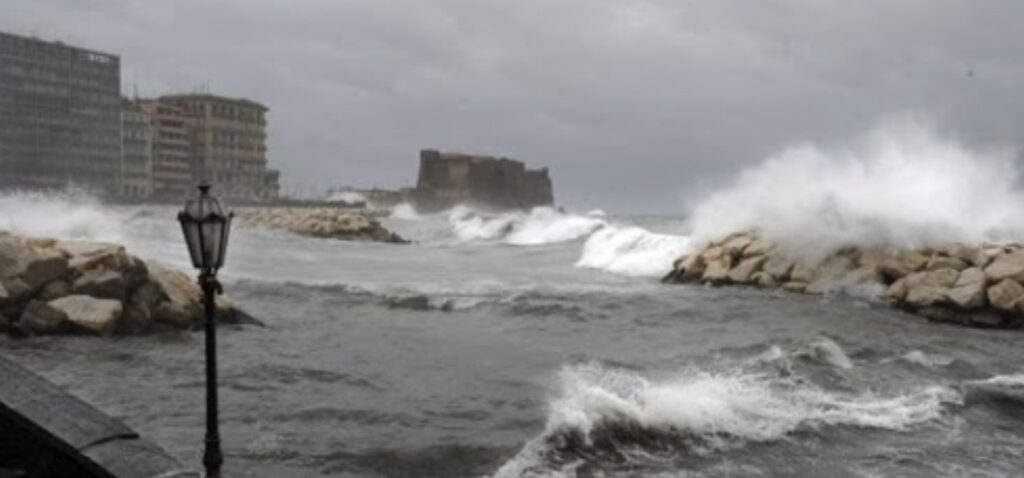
{"x": 449, "y": 179}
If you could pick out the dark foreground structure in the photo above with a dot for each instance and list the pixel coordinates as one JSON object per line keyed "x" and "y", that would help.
{"x": 47, "y": 433}
{"x": 450, "y": 179}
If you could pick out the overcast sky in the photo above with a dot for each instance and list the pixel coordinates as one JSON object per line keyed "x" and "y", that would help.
{"x": 633, "y": 105}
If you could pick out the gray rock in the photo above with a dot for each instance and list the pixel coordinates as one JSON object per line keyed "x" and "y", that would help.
{"x": 764, "y": 280}
{"x": 39, "y": 318}
{"x": 100, "y": 283}
{"x": 969, "y": 296}
{"x": 30, "y": 261}
{"x": 717, "y": 271}
{"x": 88, "y": 255}
{"x": 137, "y": 319}
{"x": 925, "y": 295}
{"x": 940, "y": 262}
{"x": 96, "y": 315}
{"x": 54, "y": 290}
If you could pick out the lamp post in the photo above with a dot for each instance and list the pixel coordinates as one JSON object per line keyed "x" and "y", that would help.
{"x": 206, "y": 229}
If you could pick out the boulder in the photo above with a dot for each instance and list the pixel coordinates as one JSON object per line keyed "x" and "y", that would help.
{"x": 717, "y": 271}
{"x": 96, "y": 315}
{"x": 969, "y": 291}
{"x": 902, "y": 264}
{"x": 779, "y": 267}
{"x": 944, "y": 278}
{"x": 33, "y": 264}
{"x": 764, "y": 279}
{"x": 1005, "y": 295}
{"x": 39, "y": 318}
{"x": 89, "y": 255}
{"x": 925, "y": 295}
{"x": 54, "y": 290}
{"x": 182, "y": 296}
{"x": 872, "y": 256}
{"x": 737, "y": 244}
{"x": 137, "y": 319}
{"x": 690, "y": 268}
{"x": 742, "y": 273}
{"x": 897, "y": 291}
{"x": 100, "y": 283}
{"x": 759, "y": 247}
{"x": 983, "y": 256}
{"x": 801, "y": 273}
{"x": 942, "y": 262}
{"x": 1006, "y": 266}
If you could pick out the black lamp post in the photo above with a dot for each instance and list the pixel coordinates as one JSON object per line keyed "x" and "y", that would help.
{"x": 206, "y": 229}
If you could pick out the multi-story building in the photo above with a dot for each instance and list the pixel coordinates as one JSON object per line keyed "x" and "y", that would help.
{"x": 136, "y": 177}
{"x": 172, "y": 160}
{"x": 60, "y": 116}
{"x": 228, "y": 144}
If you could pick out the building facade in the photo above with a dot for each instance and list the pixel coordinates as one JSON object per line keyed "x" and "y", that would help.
{"x": 228, "y": 145}
{"x": 60, "y": 116}
{"x": 136, "y": 177}
{"x": 171, "y": 151}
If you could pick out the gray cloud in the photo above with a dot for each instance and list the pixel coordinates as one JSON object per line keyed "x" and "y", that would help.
{"x": 635, "y": 106}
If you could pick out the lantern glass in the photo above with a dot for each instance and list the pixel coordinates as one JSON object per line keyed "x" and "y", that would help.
{"x": 205, "y": 227}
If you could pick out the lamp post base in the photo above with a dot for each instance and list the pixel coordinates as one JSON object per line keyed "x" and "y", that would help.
{"x": 212, "y": 458}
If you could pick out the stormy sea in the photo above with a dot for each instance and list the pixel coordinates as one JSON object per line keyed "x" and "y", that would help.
{"x": 542, "y": 343}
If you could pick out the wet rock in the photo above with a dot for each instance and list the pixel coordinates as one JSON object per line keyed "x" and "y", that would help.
{"x": 759, "y": 247}
{"x": 969, "y": 291}
{"x": 924, "y": 295}
{"x": 89, "y": 255}
{"x": 39, "y": 318}
{"x": 29, "y": 262}
{"x": 863, "y": 275}
{"x": 897, "y": 291}
{"x": 801, "y": 273}
{"x": 137, "y": 319}
{"x": 940, "y": 262}
{"x": 101, "y": 283}
{"x": 764, "y": 280}
{"x": 717, "y": 271}
{"x": 690, "y": 268}
{"x": 54, "y": 290}
{"x": 746, "y": 268}
{"x": 182, "y": 296}
{"x": 99, "y": 316}
{"x": 941, "y": 277}
{"x": 779, "y": 267}
{"x": 1006, "y": 266}
{"x": 902, "y": 265}
{"x": 1005, "y": 295}
{"x": 323, "y": 222}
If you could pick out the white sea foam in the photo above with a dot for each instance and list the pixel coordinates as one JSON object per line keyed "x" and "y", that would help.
{"x": 541, "y": 225}
{"x": 926, "y": 360}
{"x": 632, "y": 251}
{"x": 901, "y": 186}
{"x": 405, "y": 211}
{"x": 723, "y": 409}
{"x": 62, "y": 216}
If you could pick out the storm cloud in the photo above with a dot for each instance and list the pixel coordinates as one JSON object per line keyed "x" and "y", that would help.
{"x": 634, "y": 106}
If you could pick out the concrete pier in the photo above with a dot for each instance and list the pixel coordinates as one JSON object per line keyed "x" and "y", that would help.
{"x": 47, "y": 433}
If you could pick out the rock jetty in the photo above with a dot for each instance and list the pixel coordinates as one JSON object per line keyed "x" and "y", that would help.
{"x": 979, "y": 286}
{"x": 51, "y": 286}
{"x": 322, "y": 222}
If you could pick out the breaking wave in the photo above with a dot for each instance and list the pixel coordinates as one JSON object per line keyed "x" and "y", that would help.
{"x": 632, "y": 251}
{"x": 62, "y": 216}
{"x": 901, "y": 185}
{"x": 542, "y": 225}
{"x": 405, "y": 211}
{"x": 622, "y": 416}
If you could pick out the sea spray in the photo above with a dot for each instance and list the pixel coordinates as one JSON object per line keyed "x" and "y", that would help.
{"x": 539, "y": 226}
{"x": 703, "y": 411}
{"x": 632, "y": 251}
{"x": 72, "y": 215}
{"x": 900, "y": 186}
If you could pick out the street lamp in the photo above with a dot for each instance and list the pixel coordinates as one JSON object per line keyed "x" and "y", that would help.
{"x": 206, "y": 229}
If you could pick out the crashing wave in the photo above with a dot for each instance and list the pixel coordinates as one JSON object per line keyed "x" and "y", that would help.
{"x": 901, "y": 186}
{"x": 63, "y": 216}
{"x": 542, "y": 225}
{"x": 632, "y": 251}
{"x": 1001, "y": 388}
{"x": 618, "y": 413}
{"x": 404, "y": 211}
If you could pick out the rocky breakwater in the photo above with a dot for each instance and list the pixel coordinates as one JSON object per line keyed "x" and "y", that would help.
{"x": 322, "y": 222}
{"x": 970, "y": 285}
{"x": 74, "y": 287}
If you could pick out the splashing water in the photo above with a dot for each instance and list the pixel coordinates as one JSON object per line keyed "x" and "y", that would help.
{"x": 900, "y": 186}
{"x": 62, "y": 216}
